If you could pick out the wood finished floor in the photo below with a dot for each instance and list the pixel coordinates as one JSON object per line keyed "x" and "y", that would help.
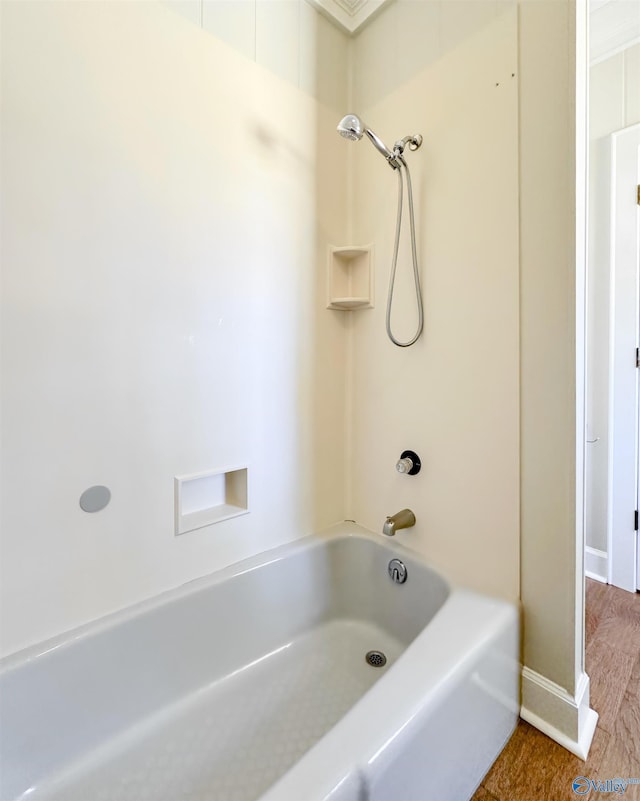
{"x": 534, "y": 768}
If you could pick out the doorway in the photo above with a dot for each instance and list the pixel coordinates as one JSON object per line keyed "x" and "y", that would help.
{"x": 612, "y": 418}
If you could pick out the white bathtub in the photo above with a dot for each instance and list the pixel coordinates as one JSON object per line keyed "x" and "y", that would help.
{"x": 252, "y": 684}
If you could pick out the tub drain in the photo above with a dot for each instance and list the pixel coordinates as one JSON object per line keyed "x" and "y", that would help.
{"x": 376, "y": 659}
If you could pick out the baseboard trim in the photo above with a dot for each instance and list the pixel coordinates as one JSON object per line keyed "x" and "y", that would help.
{"x": 563, "y": 717}
{"x": 579, "y": 748}
{"x": 596, "y": 564}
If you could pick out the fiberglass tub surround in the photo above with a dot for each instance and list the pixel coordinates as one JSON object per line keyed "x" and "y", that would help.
{"x": 253, "y": 684}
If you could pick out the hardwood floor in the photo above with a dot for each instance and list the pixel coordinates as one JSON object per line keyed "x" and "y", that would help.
{"x": 534, "y": 768}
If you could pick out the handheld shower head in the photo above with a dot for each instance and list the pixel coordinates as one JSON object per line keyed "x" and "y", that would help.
{"x": 352, "y": 127}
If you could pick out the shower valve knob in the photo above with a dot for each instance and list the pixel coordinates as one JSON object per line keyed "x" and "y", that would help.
{"x": 409, "y": 463}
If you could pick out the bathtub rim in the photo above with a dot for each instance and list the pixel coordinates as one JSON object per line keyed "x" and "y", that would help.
{"x": 347, "y": 530}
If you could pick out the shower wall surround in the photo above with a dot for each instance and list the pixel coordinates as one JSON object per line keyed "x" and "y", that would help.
{"x": 287, "y": 37}
{"x": 168, "y": 204}
{"x": 453, "y": 396}
{"x": 165, "y": 200}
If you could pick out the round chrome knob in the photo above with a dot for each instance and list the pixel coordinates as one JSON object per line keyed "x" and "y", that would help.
{"x": 409, "y": 463}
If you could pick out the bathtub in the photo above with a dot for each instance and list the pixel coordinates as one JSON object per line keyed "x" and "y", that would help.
{"x": 253, "y": 683}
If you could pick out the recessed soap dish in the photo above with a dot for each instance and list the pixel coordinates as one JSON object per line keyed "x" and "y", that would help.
{"x": 202, "y": 499}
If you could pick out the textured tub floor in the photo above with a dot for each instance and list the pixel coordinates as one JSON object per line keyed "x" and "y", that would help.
{"x": 233, "y": 740}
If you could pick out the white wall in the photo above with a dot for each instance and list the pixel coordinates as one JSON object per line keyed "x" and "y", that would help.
{"x": 164, "y": 233}
{"x": 164, "y": 238}
{"x": 614, "y": 104}
{"x": 453, "y": 396}
{"x": 287, "y": 37}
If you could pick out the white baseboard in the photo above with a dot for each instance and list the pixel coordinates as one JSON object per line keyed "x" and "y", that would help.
{"x": 563, "y": 717}
{"x": 596, "y": 564}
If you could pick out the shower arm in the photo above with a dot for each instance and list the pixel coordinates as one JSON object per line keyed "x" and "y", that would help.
{"x": 394, "y": 159}
{"x": 414, "y": 143}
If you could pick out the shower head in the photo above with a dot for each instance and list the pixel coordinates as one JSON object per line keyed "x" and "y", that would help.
{"x": 352, "y": 127}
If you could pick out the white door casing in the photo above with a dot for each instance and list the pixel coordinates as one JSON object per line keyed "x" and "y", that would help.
{"x": 623, "y": 373}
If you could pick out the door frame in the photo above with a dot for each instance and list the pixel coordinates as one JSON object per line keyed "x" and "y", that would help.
{"x": 623, "y": 372}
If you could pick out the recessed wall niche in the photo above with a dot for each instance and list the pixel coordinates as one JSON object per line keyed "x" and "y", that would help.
{"x": 202, "y": 499}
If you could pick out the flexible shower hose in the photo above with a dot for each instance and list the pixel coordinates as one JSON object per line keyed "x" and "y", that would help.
{"x": 414, "y": 257}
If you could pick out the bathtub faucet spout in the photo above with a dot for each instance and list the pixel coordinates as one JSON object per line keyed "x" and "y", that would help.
{"x": 403, "y": 519}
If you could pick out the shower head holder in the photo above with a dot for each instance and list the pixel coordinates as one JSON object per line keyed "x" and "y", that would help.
{"x": 414, "y": 143}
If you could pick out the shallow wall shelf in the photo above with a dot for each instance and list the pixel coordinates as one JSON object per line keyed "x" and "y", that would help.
{"x": 206, "y": 498}
{"x": 350, "y": 277}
